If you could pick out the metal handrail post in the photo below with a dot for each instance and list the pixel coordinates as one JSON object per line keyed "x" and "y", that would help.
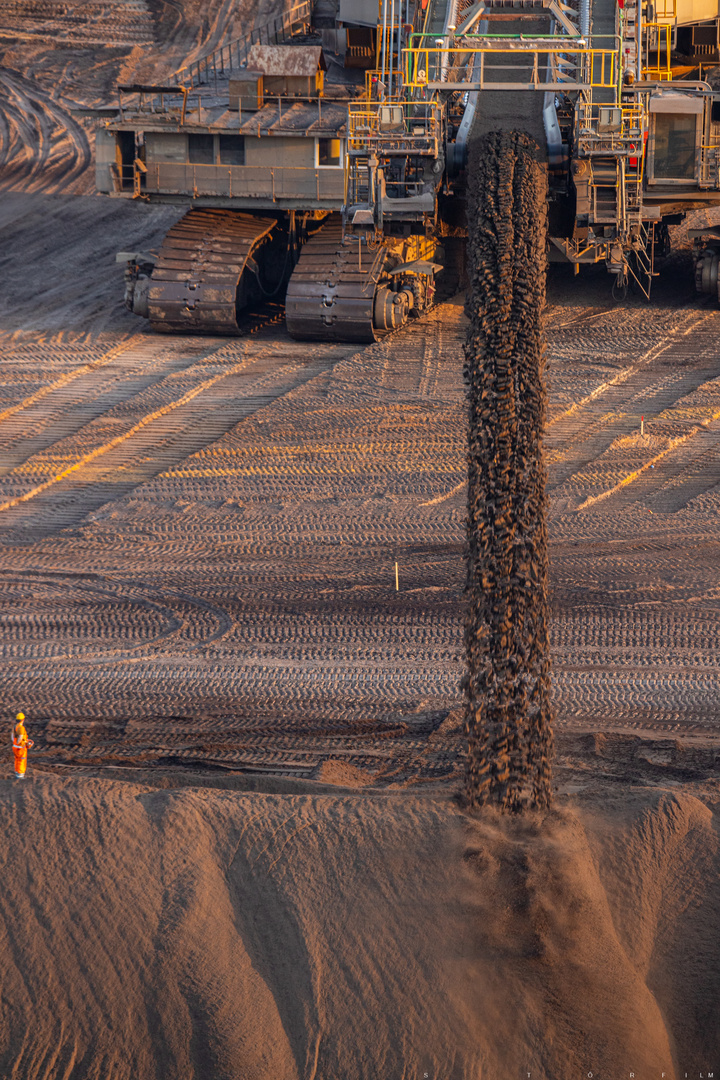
{"x": 384, "y": 41}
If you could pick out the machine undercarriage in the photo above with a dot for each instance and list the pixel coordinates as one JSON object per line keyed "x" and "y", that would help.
{"x": 328, "y": 165}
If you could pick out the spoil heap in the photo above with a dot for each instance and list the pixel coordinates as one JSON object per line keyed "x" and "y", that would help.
{"x": 507, "y": 684}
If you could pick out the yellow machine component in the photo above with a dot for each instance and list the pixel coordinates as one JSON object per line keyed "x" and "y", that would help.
{"x": 139, "y": 171}
{"x": 661, "y": 69}
{"x": 393, "y": 126}
{"x": 681, "y": 71}
{"x": 598, "y": 68}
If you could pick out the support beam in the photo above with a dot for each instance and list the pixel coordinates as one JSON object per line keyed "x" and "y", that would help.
{"x": 542, "y": 86}
{"x": 558, "y": 13}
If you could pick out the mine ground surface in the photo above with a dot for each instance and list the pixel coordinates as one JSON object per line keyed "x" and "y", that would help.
{"x": 238, "y": 849}
{"x": 248, "y": 742}
{"x": 199, "y": 535}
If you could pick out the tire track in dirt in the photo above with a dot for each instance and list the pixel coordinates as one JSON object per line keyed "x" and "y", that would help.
{"x": 634, "y": 615}
{"x": 689, "y": 475}
{"x": 280, "y": 621}
{"x": 244, "y": 610}
{"x": 122, "y": 23}
{"x": 675, "y": 459}
{"x": 214, "y": 31}
{"x": 667, "y": 372}
{"x": 670, "y": 465}
{"x": 163, "y": 437}
{"x": 91, "y": 390}
{"x": 43, "y": 148}
{"x": 68, "y": 377}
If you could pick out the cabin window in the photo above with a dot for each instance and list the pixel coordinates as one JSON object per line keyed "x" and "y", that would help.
{"x": 329, "y": 153}
{"x": 675, "y": 150}
{"x": 231, "y": 149}
{"x": 201, "y": 149}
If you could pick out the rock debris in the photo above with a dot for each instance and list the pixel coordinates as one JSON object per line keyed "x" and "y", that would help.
{"x": 507, "y": 683}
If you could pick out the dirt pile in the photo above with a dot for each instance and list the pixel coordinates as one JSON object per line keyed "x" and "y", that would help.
{"x": 596, "y": 931}
{"x": 193, "y": 932}
{"x": 200, "y": 933}
{"x": 508, "y": 679}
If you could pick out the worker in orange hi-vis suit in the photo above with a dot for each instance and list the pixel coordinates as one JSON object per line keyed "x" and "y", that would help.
{"x": 21, "y": 745}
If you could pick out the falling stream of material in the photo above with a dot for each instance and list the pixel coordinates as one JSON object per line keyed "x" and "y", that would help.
{"x": 507, "y": 685}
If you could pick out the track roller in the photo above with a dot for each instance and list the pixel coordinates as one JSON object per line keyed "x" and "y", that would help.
{"x": 706, "y": 272}
{"x": 347, "y": 291}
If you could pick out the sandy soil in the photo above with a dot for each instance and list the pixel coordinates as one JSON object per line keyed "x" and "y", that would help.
{"x": 155, "y": 927}
{"x": 239, "y": 851}
{"x": 218, "y": 521}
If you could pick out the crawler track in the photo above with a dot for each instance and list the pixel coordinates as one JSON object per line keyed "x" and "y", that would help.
{"x": 194, "y": 286}
{"x": 331, "y": 291}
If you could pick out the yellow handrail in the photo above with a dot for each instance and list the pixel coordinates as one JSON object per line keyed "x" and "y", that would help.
{"x": 658, "y": 72}
{"x": 366, "y": 130}
{"x": 665, "y": 9}
{"x": 600, "y": 64}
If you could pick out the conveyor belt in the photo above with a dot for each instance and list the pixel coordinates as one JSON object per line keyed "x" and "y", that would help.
{"x": 331, "y": 292}
{"x": 196, "y": 284}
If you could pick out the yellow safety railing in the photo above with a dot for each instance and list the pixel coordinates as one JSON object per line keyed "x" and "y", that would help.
{"x": 374, "y": 89}
{"x": 632, "y": 117}
{"x": 665, "y": 9}
{"x": 631, "y": 120}
{"x": 660, "y": 71}
{"x": 374, "y": 124}
{"x": 364, "y": 121}
{"x": 634, "y": 126}
{"x": 626, "y": 138}
{"x": 635, "y": 166}
{"x": 139, "y": 172}
{"x": 597, "y": 67}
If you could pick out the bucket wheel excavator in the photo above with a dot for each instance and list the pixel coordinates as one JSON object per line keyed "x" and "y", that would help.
{"x": 323, "y": 161}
